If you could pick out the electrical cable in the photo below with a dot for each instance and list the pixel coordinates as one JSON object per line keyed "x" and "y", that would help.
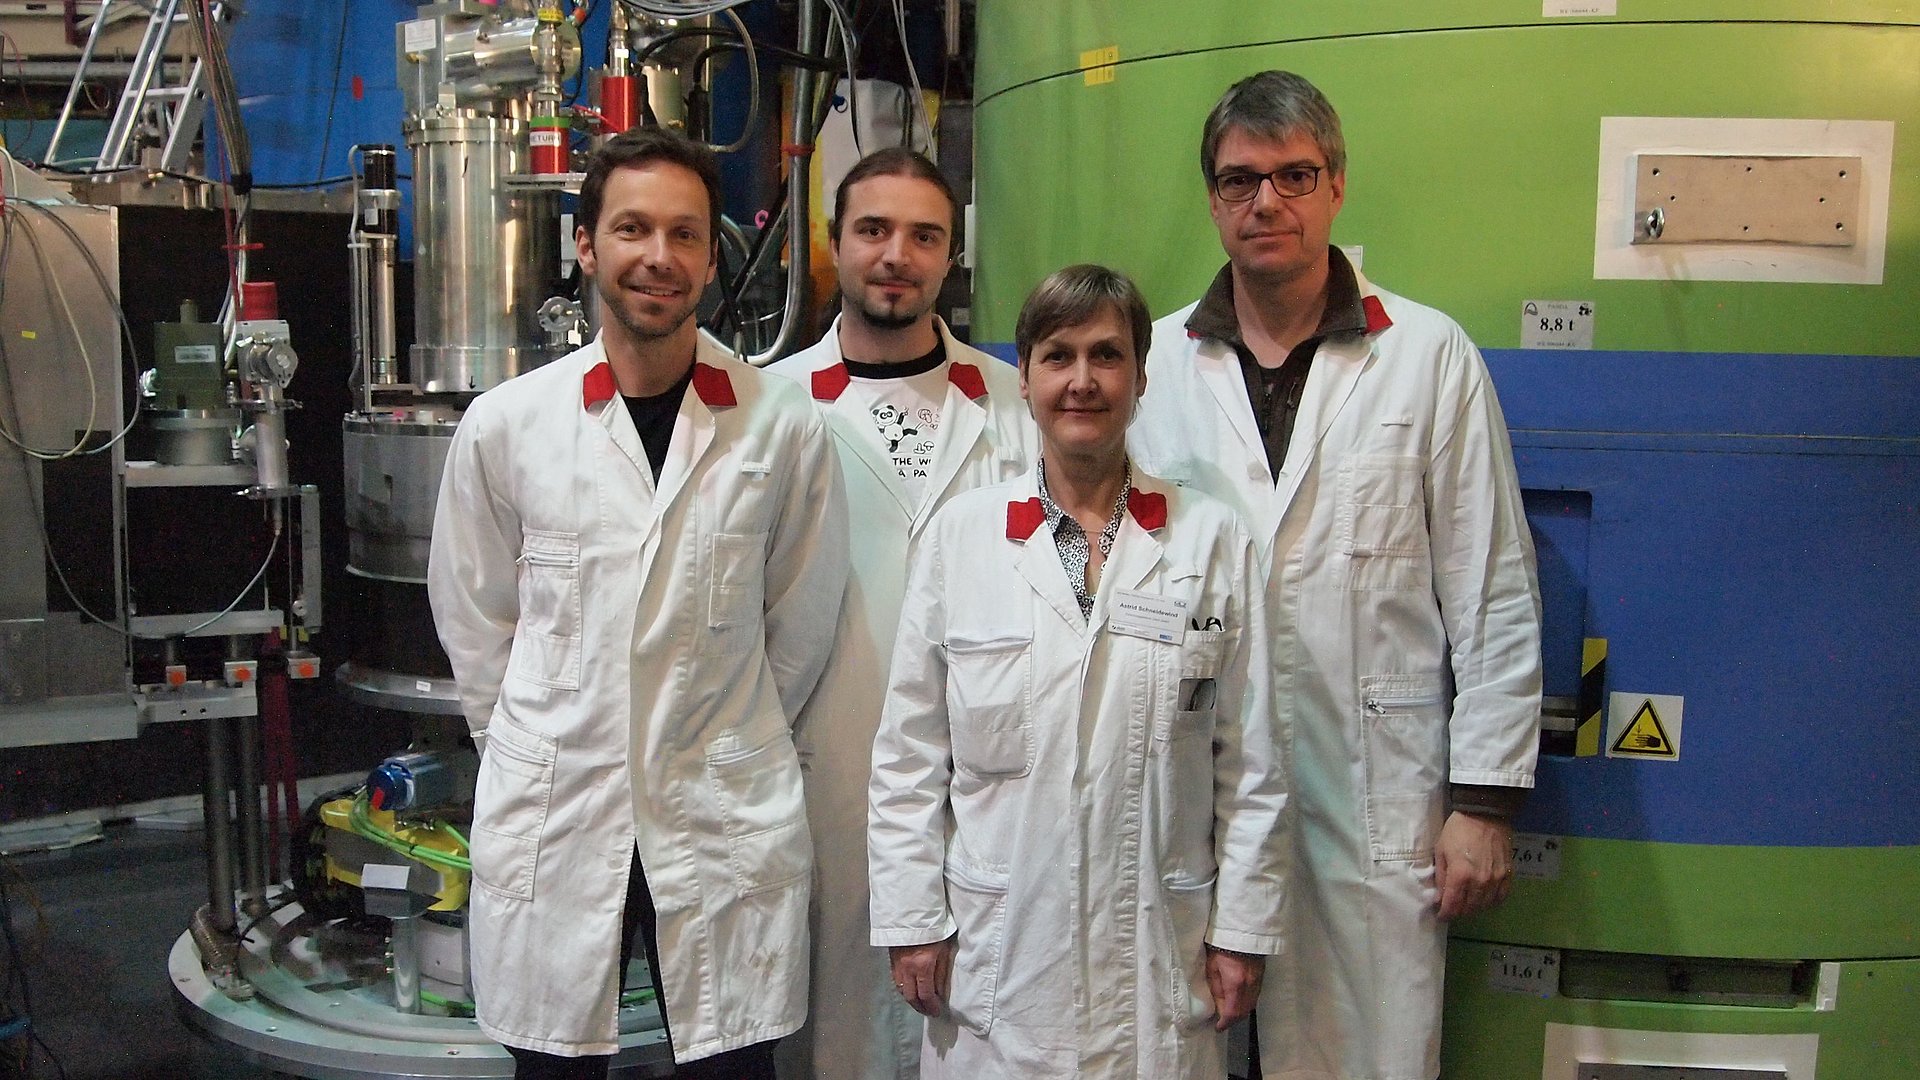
{"x": 644, "y": 55}
{"x": 17, "y": 976}
{"x": 26, "y": 96}
{"x": 753, "y": 88}
{"x": 273, "y": 545}
{"x": 6, "y": 381}
{"x": 333, "y": 96}
{"x": 675, "y": 9}
{"x": 851, "y": 50}
{"x": 301, "y": 185}
{"x": 106, "y": 289}
{"x": 286, "y": 900}
{"x": 919, "y": 101}
{"x": 363, "y": 825}
{"x": 86, "y": 360}
{"x": 776, "y": 219}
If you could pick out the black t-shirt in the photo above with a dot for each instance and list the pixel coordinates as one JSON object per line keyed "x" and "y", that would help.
{"x": 906, "y": 369}
{"x": 654, "y": 417}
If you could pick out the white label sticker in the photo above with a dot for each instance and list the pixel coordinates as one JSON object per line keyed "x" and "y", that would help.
{"x": 544, "y": 137}
{"x": 1559, "y": 9}
{"x": 383, "y": 876}
{"x": 1536, "y": 856}
{"x": 196, "y": 354}
{"x": 1556, "y": 324}
{"x": 1148, "y": 615}
{"x": 423, "y": 686}
{"x": 1524, "y": 971}
{"x": 420, "y": 35}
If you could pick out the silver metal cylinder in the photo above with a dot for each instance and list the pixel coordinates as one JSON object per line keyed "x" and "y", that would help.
{"x": 370, "y": 260}
{"x": 492, "y": 58}
{"x": 246, "y": 804}
{"x": 405, "y": 944}
{"x": 483, "y": 255}
{"x": 269, "y": 445}
{"x": 193, "y": 436}
{"x": 218, "y": 823}
{"x": 383, "y": 329}
{"x": 393, "y": 480}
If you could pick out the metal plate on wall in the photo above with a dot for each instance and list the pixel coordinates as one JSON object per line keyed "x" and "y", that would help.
{"x": 1709, "y": 198}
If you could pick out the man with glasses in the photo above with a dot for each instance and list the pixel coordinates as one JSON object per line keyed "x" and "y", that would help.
{"x": 1359, "y": 435}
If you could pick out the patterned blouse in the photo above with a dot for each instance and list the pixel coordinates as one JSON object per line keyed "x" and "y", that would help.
{"x": 1071, "y": 539}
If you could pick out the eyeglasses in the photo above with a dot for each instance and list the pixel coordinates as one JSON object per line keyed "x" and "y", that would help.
{"x": 1291, "y": 182}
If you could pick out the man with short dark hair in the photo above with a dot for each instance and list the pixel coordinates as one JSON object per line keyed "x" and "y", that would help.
{"x": 1359, "y": 434}
{"x": 634, "y": 551}
{"x": 917, "y": 417}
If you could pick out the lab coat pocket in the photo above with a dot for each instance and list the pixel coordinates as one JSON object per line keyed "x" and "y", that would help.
{"x": 736, "y": 600}
{"x": 1382, "y": 521}
{"x": 510, "y": 802}
{"x": 978, "y": 900}
{"x": 546, "y": 643}
{"x": 1403, "y": 737}
{"x": 1189, "y": 909}
{"x": 756, "y": 784}
{"x": 988, "y": 704}
{"x": 1202, "y": 654}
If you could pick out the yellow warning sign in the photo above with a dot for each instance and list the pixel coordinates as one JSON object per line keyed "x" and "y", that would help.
{"x": 1644, "y": 726}
{"x": 1644, "y": 735}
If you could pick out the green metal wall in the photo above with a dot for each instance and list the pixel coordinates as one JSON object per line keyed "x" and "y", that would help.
{"x": 1473, "y": 140}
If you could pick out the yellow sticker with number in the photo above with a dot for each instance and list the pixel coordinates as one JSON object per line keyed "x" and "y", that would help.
{"x": 1098, "y": 64}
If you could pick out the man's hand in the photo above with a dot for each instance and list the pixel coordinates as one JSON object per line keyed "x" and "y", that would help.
{"x": 920, "y": 973}
{"x": 1472, "y": 864}
{"x": 1234, "y": 981}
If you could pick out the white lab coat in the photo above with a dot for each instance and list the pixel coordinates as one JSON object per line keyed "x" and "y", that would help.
{"x": 1406, "y": 649}
{"x": 1039, "y": 789}
{"x": 860, "y": 1028}
{"x": 632, "y": 656}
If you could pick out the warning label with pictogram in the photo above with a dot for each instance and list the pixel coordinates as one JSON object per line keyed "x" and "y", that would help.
{"x": 1645, "y": 726}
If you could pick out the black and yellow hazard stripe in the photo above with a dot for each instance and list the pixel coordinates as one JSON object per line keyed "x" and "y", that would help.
{"x": 1593, "y": 698}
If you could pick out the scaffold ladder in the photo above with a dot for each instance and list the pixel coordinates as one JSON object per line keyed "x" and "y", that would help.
{"x": 173, "y": 110}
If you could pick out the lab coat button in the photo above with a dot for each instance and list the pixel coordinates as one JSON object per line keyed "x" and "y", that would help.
{"x": 1255, "y": 472}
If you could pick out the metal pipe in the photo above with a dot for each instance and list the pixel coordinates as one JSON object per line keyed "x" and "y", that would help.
{"x": 253, "y": 854}
{"x": 247, "y": 772}
{"x": 405, "y": 945}
{"x": 218, "y": 824}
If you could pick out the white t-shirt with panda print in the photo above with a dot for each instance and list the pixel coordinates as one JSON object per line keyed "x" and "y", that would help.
{"x": 903, "y": 401}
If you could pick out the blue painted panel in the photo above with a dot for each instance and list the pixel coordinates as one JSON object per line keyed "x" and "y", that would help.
{"x": 1771, "y": 581}
{"x": 1754, "y": 546}
{"x": 1710, "y": 393}
{"x": 1002, "y": 349}
{"x": 296, "y": 67}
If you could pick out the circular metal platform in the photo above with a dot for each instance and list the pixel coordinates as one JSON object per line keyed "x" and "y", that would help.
{"x": 318, "y": 1010}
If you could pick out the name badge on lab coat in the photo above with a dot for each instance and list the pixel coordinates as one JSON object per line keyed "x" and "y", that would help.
{"x": 1148, "y": 615}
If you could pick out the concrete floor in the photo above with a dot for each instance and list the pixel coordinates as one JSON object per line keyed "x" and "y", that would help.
{"x": 94, "y": 924}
